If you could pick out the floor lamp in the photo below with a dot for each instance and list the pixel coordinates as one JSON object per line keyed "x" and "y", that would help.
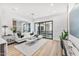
{"x": 4, "y": 29}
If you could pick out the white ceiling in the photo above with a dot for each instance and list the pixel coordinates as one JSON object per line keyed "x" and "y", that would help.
{"x": 39, "y": 9}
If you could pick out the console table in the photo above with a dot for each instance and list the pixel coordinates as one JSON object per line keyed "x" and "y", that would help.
{"x": 3, "y": 47}
{"x": 9, "y": 39}
{"x": 70, "y": 49}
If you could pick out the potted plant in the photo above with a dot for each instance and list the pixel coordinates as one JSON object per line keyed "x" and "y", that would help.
{"x": 13, "y": 30}
{"x": 63, "y": 36}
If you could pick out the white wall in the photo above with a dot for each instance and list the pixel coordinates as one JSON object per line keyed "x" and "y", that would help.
{"x": 59, "y": 24}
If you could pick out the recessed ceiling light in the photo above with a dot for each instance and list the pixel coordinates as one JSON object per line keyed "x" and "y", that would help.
{"x": 51, "y": 4}
{"x": 14, "y": 9}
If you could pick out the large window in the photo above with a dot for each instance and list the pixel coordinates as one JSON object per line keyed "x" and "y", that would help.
{"x": 21, "y": 26}
{"x": 26, "y": 27}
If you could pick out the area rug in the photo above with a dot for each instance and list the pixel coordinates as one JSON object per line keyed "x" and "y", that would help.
{"x": 31, "y": 48}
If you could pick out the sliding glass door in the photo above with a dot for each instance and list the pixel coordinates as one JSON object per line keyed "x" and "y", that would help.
{"x": 45, "y": 29}
{"x": 49, "y": 29}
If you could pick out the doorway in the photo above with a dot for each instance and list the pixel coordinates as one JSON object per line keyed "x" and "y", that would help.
{"x": 44, "y": 28}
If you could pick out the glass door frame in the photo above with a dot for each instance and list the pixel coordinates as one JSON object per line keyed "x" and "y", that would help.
{"x": 45, "y": 27}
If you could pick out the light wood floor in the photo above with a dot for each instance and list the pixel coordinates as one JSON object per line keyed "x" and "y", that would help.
{"x": 51, "y": 48}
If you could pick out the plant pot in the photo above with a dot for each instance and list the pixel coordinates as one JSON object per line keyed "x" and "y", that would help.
{"x": 61, "y": 44}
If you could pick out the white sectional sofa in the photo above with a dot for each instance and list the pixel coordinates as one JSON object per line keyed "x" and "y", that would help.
{"x": 27, "y": 37}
